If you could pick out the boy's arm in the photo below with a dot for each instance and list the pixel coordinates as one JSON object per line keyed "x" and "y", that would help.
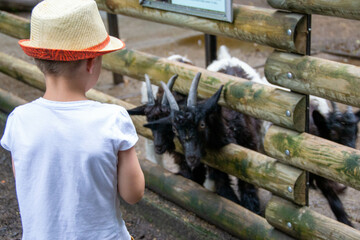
{"x": 131, "y": 182}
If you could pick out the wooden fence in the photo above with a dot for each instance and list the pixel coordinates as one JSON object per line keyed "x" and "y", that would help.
{"x": 282, "y": 171}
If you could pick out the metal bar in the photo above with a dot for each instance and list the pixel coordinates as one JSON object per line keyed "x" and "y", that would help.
{"x": 307, "y": 101}
{"x": 114, "y": 31}
{"x": 210, "y": 48}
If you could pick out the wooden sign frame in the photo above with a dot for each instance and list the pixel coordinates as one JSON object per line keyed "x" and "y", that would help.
{"x": 213, "y": 9}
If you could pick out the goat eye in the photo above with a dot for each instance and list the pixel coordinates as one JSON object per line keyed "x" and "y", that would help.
{"x": 343, "y": 123}
{"x": 202, "y": 125}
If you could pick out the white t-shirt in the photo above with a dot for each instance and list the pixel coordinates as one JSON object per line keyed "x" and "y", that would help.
{"x": 65, "y": 157}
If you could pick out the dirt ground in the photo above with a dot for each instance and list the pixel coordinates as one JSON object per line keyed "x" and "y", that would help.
{"x": 332, "y": 38}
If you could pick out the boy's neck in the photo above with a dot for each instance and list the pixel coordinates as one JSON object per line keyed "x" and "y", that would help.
{"x": 64, "y": 89}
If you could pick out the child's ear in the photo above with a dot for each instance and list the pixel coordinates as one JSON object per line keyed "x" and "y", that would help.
{"x": 90, "y": 63}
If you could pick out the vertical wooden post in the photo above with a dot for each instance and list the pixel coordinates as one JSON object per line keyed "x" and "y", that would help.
{"x": 210, "y": 49}
{"x": 307, "y": 99}
{"x": 114, "y": 31}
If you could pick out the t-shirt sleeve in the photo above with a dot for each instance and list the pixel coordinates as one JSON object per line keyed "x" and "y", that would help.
{"x": 7, "y": 138}
{"x": 127, "y": 136}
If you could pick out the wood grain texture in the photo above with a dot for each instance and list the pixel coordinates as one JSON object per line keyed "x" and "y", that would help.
{"x": 251, "y": 166}
{"x": 264, "y": 26}
{"x": 314, "y": 154}
{"x": 345, "y": 8}
{"x": 14, "y": 26}
{"x": 304, "y": 223}
{"x": 9, "y": 101}
{"x": 223, "y": 213}
{"x": 315, "y": 76}
{"x": 254, "y": 99}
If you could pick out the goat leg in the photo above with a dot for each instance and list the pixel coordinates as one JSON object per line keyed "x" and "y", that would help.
{"x": 335, "y": 203}
{"x": 249, "y": 196}
{"x": 223, "y": 185}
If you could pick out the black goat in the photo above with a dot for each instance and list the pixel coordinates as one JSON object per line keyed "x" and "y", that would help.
{"x": 158, "y": 110}
{"x": 341, "y": 128}
{"x": 204, "y": 125}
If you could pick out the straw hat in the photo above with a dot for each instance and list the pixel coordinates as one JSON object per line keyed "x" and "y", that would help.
{"x": 68, "y": 30}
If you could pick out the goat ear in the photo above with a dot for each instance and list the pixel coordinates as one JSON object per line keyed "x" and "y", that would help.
{"x": 160, "y": 122}
{"x": 140, "y": 110}
{"x": 320, "y": 123}
{"x": 210, "y": 104}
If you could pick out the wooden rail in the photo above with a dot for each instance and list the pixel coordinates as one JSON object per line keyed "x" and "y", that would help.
{"x": 260, "y": 170}
{"x": 268, "y": 27}
{"x": 229, "y": 216}
{"x": 257, "y": 100}
{"x": 219, "y": 211}
{"x": 9, "y": 101}
{"x": 314, "y": 154}
{"x": 304, "y": 223}
{"x": 14, "y": 26}
{"x": 345, "y": 8}
{"x": 315, "y": 76}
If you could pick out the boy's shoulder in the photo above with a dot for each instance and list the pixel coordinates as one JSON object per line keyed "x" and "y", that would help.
{"x": 109, "y": 107}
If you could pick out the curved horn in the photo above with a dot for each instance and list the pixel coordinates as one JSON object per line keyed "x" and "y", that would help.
{"x": 335, "y": 107}
{"x": 172, "y": 102}
{"x": 151, "y": 99}
{"x": 170, "y": 85}
{"x": 191, "y": 102}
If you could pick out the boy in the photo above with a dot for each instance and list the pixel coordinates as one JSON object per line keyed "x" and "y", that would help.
{"x": 71, "y": 156}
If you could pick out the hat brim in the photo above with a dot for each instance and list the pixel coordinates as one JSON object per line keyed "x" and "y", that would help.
{"x": 113, "y": 44}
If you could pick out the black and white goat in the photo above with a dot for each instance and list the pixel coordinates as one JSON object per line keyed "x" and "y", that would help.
{"x": 227, "y": 64}
{"x": 151, "y": 153}
{"x": 204, "y": 125}
{"x": 332, "y": 125}
{"x": 158, "y": 110}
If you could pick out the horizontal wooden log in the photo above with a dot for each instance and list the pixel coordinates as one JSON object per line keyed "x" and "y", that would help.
{"x": 315, "y": 76}
{"x": 223, "y": 213}
{"x": 31, "y": 75}
{"x": 264, "y": 26}
{"x": 304, "y": 223}
{"x": 258, "y": 169}
{"x": 345, "y": 8}
{"x": 180, "y": 223}
{"x": 261, "y": 170}
{"x": 314, "y": 154}
{"x": 9, "y": 101}
{"x": 256, "y": 100}
{"x": 14, "y": 26}
{"x": 18, "y": 5}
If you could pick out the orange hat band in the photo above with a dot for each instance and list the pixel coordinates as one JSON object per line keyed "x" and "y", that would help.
{"x": 65, "y": 55}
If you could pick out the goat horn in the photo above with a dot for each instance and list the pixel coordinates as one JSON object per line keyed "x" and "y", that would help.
{"x": 191, "y": 102}
{"x": 172, "y": 102}
{"x": 151, "y": 99}
{"x": 170, "y": 85}
{"x": 335, "y": 107}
